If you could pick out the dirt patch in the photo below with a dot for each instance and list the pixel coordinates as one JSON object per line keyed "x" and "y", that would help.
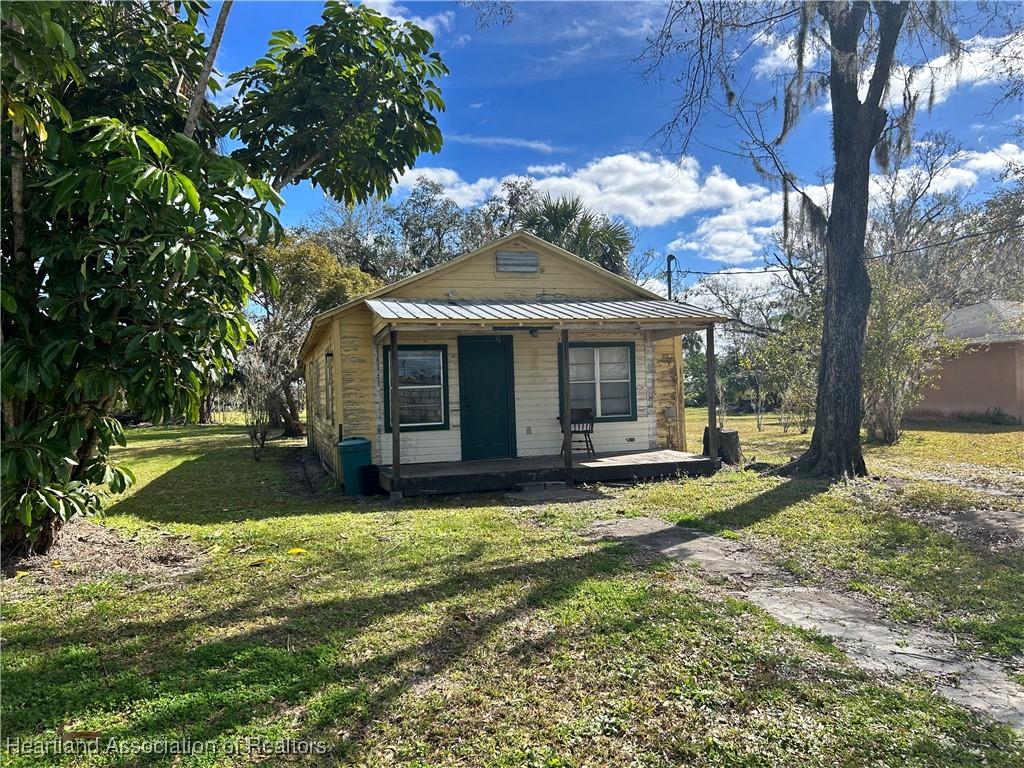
{"x": 552, "y": 496}
{"x": 306, "y": 474}
{"x": 994, "y": 523}
{"x": 993, "y": 529}
{"x": 86, "y": 551}
{"x": 995, "y": 481}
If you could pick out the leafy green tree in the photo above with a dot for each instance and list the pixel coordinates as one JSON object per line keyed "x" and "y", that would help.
{"x": 759, "y": 367}
{"x": 128, "y": 239}
{"x": 903, "y": 348}
{"x": 431, "y": 226}
{"x": 311, "y": 280}
{"x": 501, "y": 214}
{"x": 364, "y": 236}
{"x": 138, "y": 285}
{"x": 996, "y": 267}
{"x": 349, "y": 107}
{"x": 428, "y": 228}
{"x": 695, "y": 377}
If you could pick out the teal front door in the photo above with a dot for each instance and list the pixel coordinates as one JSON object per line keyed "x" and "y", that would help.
{"x": 486, "y": 397}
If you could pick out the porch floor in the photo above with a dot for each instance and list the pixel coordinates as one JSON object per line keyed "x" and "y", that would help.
{"x": 504, "y": 474}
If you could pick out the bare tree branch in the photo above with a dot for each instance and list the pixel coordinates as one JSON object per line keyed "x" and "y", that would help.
{"x": 199, "y": 94}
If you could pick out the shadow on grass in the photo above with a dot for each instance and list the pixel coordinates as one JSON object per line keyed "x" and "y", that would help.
{"x": 273, "y": 654}
{"x": 761, "y": 507}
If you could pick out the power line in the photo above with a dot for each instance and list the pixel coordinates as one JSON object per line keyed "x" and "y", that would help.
{"x": 950, "y": 241}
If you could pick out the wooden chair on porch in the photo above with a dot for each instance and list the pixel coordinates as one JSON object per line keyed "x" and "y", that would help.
{"x": 581, "y": 424}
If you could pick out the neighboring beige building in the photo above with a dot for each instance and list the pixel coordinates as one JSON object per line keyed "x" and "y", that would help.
{"x": 989, "y": 373}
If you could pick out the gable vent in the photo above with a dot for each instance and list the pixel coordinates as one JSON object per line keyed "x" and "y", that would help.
{"x": 518, "y": 261}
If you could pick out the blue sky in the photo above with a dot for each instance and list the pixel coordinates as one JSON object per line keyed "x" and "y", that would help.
{"x": 557, "y": 95}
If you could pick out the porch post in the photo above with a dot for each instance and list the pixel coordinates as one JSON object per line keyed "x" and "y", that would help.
{"x": 565, "y": 414}
{"x": 396, "y": 419}
{"x": 712, "y": 395}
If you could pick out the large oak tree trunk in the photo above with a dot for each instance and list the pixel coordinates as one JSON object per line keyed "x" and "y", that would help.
{"x": 835, "y": 444}
{"x": 856, "y": 129}
{"x": 275, "y": 406}
{"x": 291, "y": 413}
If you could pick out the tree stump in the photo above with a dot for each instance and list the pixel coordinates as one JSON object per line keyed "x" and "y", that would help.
{"x": 728, "y": 446}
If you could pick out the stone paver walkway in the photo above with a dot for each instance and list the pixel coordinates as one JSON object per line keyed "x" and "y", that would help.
{"x": 853, "y": 623}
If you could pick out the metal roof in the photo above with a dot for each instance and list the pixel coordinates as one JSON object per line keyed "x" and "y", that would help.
{"x": 644, "y": 310}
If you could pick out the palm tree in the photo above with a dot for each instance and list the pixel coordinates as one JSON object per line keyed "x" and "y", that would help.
{"x": 593, "y": 236}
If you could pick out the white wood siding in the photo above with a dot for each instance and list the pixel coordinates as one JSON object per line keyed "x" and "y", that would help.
{"x": 536, "y": 375}
{"x": 536, "y": 402}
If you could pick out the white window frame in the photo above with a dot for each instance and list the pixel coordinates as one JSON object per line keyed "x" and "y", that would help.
{"x": 597, "y": 380}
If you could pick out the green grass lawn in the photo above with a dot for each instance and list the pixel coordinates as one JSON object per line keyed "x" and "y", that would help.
{"x": 471, "y": 633}
{"x": 924, "y": 445}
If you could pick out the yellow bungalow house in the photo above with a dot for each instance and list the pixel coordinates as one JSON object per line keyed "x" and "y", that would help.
{"x": 480, "y": 344}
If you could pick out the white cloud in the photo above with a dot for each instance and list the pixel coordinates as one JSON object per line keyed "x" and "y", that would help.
{"x": 745, "y": 283}
{"x": 578, "y": 40}
{"x": 966, "y": 169}
{"x": 648, "y": 191}
{"x": 536, "y": 145}
{"x": 655, "y": 284}
{"x": 645, "y": 190}
{"x": 780, "y": 57}
{"x": 547, "y": 170}
{"x": 478, "y": 104}
{"x": 462, "y": 192}
{"x": 739, "y": 233}
{"x": 641, "y": 188}
{"x": 734, "y": 220}
{"x": 993, "y": 160}
{"x": 953, "y": 178}
{"x": 434, "y": 23}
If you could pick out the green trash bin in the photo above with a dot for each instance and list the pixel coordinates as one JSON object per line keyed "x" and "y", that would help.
{"x": 353, "y": 454}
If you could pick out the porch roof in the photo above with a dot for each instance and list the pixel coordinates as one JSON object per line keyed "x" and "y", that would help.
{"x": 640, "y": 311}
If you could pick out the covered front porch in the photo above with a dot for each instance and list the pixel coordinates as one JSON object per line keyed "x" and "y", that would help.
{"x": 506, "y": 474}
{"x": 483, "y": 387}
